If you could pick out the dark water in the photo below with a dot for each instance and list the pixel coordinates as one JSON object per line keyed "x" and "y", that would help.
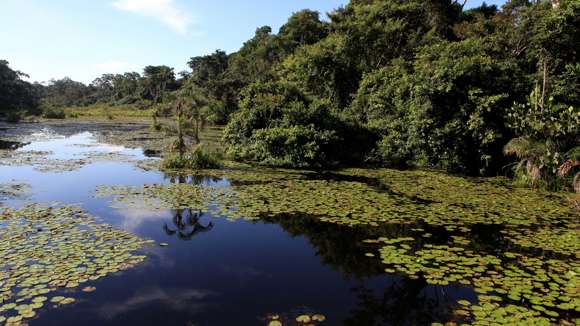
{"x": 219, "y": 272}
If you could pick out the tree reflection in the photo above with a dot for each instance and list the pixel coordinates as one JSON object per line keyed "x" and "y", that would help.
{"x": 338, "y": 246}
{"x": 400, "y": 300}
{"x": 405, "y": 301}
{"x": 187, "y": 224}
{"x": 192, "y": 179}
{"x": 11, "y": 145}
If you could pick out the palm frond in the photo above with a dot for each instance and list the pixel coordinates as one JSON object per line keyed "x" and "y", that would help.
{"x": 524, "y": 148}
{"x": 565, "y": 168}
{"x": 574, "y": 153}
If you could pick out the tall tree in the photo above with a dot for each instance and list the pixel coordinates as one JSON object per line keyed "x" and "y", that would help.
{"x": 15, "y": 93}
{"x": 157, "y": 80}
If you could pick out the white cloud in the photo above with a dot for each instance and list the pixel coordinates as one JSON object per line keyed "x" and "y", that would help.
{"x": 115, "y": 67}
{"x": 163, "y": 10}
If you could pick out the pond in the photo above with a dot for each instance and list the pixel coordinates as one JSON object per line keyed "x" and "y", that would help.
{"x": 254, "y": 246}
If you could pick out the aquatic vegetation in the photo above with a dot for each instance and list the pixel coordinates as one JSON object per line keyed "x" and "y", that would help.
{"x": 13, "y": 190}
{"x": 528, "y": 268}
{"x": 147, "y": 165}
{"x": 293, "y": 319}
{"x": 549, "y": 286}
{"x": 19, "y": 158}
{"x": 385, "y": 196}
{"x": 45, "y": 250}
{"x": 158, "y": 197}
{"x": 42, "y": 161}
{"x": 138, "y": 138}
{"x": 10, "y": 145}
{"x": 107, "y": 157}
{"x": 565, "y": 241}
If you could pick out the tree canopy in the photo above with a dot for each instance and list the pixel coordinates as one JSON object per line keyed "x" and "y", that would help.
{"x": 16, "y": 94}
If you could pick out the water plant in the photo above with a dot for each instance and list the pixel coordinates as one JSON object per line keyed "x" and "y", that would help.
{"x": 13, "y": 190}
{"x": 522, "y": 265}
{"x": 45, "y": 250}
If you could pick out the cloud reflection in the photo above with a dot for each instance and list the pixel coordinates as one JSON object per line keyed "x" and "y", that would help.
{"x": 133, "y": 219}
{"x": 189, "y": 300}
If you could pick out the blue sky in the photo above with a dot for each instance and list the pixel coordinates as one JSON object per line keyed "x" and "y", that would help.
{"x": 83, "y": 39}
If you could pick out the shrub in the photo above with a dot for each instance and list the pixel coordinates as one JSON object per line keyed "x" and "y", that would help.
{"x": 296, "y": 146}
{"x": 199, "y": 158}
{"x": 278, "y": 124}
{"x": 53, "y": 113}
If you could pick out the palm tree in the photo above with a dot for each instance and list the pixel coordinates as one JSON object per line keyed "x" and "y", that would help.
{"x": 530, "y": 153}
{"x": 198, "y": 109}
{"x": 179, "y": 106}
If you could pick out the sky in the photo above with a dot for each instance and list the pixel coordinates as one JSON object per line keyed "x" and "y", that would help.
{"x": 83, "y": 39}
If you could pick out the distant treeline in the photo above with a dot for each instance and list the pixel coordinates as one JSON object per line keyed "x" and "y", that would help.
{"x": 398, "y": 83}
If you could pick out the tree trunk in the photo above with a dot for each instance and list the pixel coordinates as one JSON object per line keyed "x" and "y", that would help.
{"x": 196, "y": 132}
{"x": 180, "y": 142}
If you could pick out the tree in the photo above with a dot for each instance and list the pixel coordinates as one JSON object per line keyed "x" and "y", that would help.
{"x": 546, "y": 123}
{"x": 16, "y": 94}
{"x": 322, "y": 70}
{"x": 157, "y": 80}
{"x": 302, "y": 28}
{"x": 444, "y": 110}
{"x": 255, "y": 60}
{"x": 209, "y": 67}
{"x": 67, "y": 92}
{"x": 210, "y": 74}
{"x": 104, "y": 89}
{"x": 192, "y": 109}
{"x": 376, "y": 32}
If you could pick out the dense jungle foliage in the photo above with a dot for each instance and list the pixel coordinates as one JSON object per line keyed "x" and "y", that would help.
{"x": 396, "y": 83}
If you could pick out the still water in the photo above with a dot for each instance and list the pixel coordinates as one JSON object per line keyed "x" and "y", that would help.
{"x": 215, "y": 271}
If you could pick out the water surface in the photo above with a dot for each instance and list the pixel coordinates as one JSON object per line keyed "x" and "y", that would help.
{"x": 215, "y": 271}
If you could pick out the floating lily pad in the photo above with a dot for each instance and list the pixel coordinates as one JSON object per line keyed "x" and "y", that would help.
{"x": 44, "y": 249}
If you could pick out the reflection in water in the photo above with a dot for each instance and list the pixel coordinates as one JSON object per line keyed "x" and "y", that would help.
{"x": 189, "y": 300}
{"x": 187, "y": 223}
{"x": 193, "y": 179}
{"x": 402, "y": 300}
{"x": 10, "y": 145}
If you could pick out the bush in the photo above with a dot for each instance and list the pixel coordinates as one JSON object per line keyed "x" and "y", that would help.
{"x": 296, "y": 146}
{"x": 199, "y": 158}
{"x": 278, "y": 124}
{"x": 53, "y": 113}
